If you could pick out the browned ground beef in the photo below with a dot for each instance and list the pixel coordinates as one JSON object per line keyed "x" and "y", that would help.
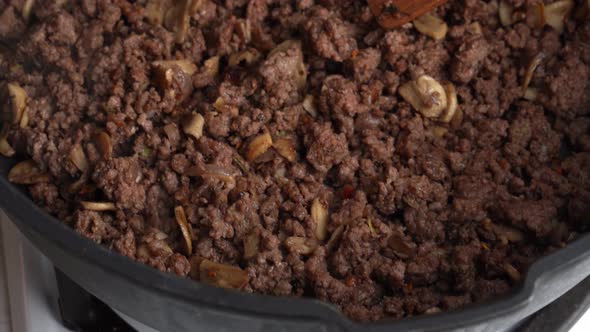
{"x": 419, "y": 220}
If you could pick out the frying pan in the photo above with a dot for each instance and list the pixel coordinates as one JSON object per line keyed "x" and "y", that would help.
{"x": 168, "y": 303}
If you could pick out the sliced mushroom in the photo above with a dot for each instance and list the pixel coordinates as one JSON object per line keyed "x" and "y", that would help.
{"x": 426, "y": 95}
{"x": 247, "y": 56}
{"x": 78, "y": 158}
{"x": 18, "y": 101}
{"x": 222, "y": 275}
{"x": 185, "y": 228}
{"x": 531, "y": 94}
{"x": 27, "y": 8}
{"x": 211, "y": 66}
{"x": 452, "y": 103}
{"x": 309, "y": 105}
{"x": 155, "y": 10}
{"x": 505, "y": 13}
{"x": 431, "y": 26}
{"x": 251, "y": 244}
{"x": 259, "y": 145}
{"x": 507, "y": 233}
{"x": 98, "y": 206}
{"x": 300, "y": 245}
{"x": 244, "y": 29}
{"x": 335, "y": 237}
{"x": 319, "y": 215}
{"x": 104, "y": 145}
{"x": 177, "y": 18}
{"x": 286, "y": 148}
{"x": 193, "y": 125}
{"x": 528, "y": 77}
{"x": 557, "y": 12}
{"x": 5, "y": 149}
{"x": 167, "y": 72}
{"x": 213, "y": 171}
{"x": 27, "y": 172}
{"x": 512, "y": 272}
{"x": 439, "y": 131}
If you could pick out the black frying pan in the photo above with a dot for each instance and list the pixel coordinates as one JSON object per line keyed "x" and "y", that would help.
{"x": 169, "y": 303}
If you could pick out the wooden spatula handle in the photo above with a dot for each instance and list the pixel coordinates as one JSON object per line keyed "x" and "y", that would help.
{"x": 395, "y": 13}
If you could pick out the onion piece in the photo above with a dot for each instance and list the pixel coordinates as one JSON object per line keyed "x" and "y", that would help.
{"x": 213, "y": 171}
{"x": 505, "y": 13}
{"x": 5, "y": 149}
{"x": 452, "y": 103}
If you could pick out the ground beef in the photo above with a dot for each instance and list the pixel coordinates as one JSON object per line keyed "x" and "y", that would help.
{"x": 274, "y": 114}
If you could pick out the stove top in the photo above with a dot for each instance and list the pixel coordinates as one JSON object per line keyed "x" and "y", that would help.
{"x": 42, "y": 298}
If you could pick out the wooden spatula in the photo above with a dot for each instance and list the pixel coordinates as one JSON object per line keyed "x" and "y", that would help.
{"x": 395, "y": 13}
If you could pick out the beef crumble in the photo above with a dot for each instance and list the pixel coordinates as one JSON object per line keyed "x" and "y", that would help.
{"x": 288, "y": 147}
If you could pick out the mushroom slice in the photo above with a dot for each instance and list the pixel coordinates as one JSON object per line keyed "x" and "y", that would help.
{"x": 259, "y": 145}
{"x": 185, "y": 229}
{"x": 27, "y": 8}
{"x": 213, "y": 171}
{"x": 319, "y": 214}
{"x": 286, "y": 148}
{"x": 222, "y": 275}
{"x": 248, "y": 56}
{"x": 531, "y": 94}
{"x": 180, "y": 71}
{"x": 193, "y": 125}
{"x": 300, "y": 245}
{"x": 505, "y": 13}
{"x": 557, "y": 12}
{"x": 27, "y": 172}
{"x": 211, "y": 66}
{"x": 18, "y": 100}
{"x": 104, "y": 144}
{"x": 78, "y": 158}
{"x": 177, "y": 18}
{"x": 155, "y": 10}
{"x": 5, "y": 149}
{"x": 452, "y": 103}
{"x": 530, "y": 71}
{"x": 431, "y": 26}
{"x": 309, "y": 105}
{"x": 512, "y": 272}
{"x": 426, "y": 95}
{"x": 252, "y": 244}
{"x": 98, "y": 206}
{"x": 336, "y": 235}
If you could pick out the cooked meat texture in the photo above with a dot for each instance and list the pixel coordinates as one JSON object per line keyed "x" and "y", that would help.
{"x": 305, "y": 168}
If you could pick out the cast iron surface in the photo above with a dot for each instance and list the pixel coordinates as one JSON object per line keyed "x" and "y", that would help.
{"x": 168, "y": 303}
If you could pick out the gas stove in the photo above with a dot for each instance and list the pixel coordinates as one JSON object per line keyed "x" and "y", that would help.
{"x": 42, "y": 298}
